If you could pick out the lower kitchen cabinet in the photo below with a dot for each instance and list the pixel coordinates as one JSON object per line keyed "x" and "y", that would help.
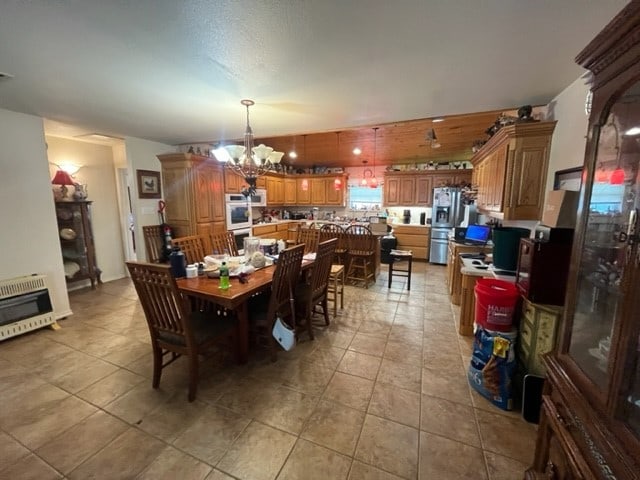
{"x": 415, "y": 238}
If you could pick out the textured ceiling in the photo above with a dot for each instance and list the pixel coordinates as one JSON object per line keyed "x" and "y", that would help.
{"x": 175, "y": 71}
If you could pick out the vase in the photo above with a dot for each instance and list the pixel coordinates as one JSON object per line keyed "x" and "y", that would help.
{"x": 80, "y": 192}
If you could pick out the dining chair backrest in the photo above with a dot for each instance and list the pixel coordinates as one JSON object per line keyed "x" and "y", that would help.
{"x": 358, "y": 229}
{"x": 332, "y": 230}
{"x": 322, "y": 268}
{"x": 164, "y": 307}
{"x": 309, "y": 237}
{"x": 224, "y": 242}
{"x": 360, "y": 244}
{"x": 153, "y": 242}
{"x": 284, "y": 279}
{"x": 194, "y": 247}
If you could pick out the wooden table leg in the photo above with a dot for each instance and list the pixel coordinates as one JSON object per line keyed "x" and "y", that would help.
{"x": 242, "y": 342}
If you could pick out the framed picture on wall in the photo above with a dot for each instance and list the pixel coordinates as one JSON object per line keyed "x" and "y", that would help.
{"x": 569, "y": 179}
{"x": 148, "y": 184}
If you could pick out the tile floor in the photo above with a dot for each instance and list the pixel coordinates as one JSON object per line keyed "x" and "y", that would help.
{"x": 379, "y": 395}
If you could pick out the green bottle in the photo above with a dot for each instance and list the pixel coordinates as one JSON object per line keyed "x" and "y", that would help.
{"x": 224, "y": 276}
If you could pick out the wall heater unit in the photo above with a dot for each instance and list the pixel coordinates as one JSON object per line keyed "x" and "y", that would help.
{"x": 25, "y": 305}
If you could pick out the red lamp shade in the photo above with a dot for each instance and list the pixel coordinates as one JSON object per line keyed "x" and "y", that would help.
{"x": 617, "y": 177}
{"x": 601, "y": 176}
{"x": 304, "y": 185}
{"x": 337, "y": 184}
{"x": 373, "y": 183}
{"x": 62, "y": 178}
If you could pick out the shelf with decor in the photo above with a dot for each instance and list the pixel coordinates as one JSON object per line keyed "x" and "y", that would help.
{"x": 76, "y": 241}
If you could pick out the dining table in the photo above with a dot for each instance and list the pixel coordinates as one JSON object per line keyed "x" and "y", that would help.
{"x": 235, "y": 298}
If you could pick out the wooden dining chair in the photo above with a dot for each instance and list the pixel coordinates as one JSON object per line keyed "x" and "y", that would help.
{"x": 362, "y": 257}
{"x": 314, "y": 291}
{"x": 174, "y": 329}
{"x": 309, "y": 237}
{"x": 265, "y": 308}
{"x": 333, "y": 230}
{"x": 194, "y": 247}
{"x": 224, "y": 242}
{"x": 153, "y": 242}
{"x": 358, "y": 229}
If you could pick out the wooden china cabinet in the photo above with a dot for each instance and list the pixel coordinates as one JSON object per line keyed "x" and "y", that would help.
{"x": 590, "y": 418}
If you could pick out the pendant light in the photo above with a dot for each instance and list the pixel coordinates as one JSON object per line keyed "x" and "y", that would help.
{"x": 337, "y": 182}
{"x": 373, "y": 183}
{"x": 304, "y": 185}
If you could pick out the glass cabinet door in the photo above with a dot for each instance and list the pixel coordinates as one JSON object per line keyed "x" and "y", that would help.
{"x": 608, "y": 255}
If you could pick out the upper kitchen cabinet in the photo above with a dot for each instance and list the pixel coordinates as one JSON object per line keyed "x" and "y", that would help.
{"x": 511, "y": 171}
{"x": 233, "y": 183}
{"x": 290, "y": 191}
{"x": 194, "y": 193}
{"x": 318, "y": 191}
{"x": 275, "y": 189}
{"x": 415, "y": 187}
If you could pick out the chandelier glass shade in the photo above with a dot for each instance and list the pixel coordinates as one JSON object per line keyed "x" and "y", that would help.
{"x": 249, "y": 161}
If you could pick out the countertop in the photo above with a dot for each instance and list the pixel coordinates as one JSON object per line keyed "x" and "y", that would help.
{"x": 483, "y": 270}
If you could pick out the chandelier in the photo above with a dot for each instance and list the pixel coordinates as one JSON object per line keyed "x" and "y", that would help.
{"x": 246, "y": 160}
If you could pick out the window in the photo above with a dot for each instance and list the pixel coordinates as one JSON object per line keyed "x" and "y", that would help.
{"x": 365, "y": 198}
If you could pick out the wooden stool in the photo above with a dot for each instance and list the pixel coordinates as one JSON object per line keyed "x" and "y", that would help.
{"x": 335, "y": 287}
{"x": 400, "y": 257}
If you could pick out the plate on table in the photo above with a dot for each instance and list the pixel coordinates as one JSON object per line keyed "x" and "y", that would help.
{"x": 68, "y": 234}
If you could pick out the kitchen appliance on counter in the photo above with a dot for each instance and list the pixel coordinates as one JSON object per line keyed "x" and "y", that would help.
{"x": 446, "y": 213}
{"x": 406, "y": 217}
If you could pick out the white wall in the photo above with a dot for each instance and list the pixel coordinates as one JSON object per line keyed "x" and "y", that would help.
{"x": 570, "y": 134}
{"x": 98, "y": 174}
{"x": 141, "y": 155}
{"x": 30, "y": 241}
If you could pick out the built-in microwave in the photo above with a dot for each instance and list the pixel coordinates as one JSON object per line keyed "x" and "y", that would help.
{"x": 259, "y": 198}
{"x": 238, "y": 210}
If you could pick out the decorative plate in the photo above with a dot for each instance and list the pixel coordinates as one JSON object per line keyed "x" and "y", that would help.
{"x": 64, "y": 214}
{"x": 68, "y": 234}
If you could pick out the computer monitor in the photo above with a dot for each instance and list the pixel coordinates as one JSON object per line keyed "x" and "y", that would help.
{"x": 477, "y": 234}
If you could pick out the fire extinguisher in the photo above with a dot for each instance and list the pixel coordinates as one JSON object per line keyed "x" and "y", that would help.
{"x": 166, "y": 231}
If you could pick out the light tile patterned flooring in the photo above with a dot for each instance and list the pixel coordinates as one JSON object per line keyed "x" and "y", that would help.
{"x": 381, "y": 394}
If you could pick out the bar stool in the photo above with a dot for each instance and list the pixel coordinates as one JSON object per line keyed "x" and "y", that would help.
{"x": 393, "y": 270}
{"x": 336, "y": 287}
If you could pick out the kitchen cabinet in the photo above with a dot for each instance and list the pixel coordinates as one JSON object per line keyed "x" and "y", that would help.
{"x": 76, "y": 241}
{"x": 415, "y": 187}
{"x": 510, "y": 171}
{"x": 275, "y": 190}
{"x": 424, "y": 190}
{"x": 194, "y": 194}
{"x": 454, "y": 265}
{"x": 415, "y": 238}
{"x": 590, "y": 420}
{"x": 290, "y": 191}
{"x": 537, "y": 335}
{"x": 233, "y": 183}
{"x": 277, "y": 231}
{"x": 318, "y": 191}
{"x": 303, "y": 191}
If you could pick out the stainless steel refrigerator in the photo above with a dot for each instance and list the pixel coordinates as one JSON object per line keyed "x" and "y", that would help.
{"x": 447, "y": 212}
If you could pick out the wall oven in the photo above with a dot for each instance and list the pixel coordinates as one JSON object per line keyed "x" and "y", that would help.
{"x": 240, "y": 234}
{"x": 238, "y": 212}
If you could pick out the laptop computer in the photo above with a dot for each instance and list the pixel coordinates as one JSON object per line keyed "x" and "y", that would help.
{"x": 477, "y": 235}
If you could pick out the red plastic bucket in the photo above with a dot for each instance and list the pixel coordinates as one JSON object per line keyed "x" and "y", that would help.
{"x": 495, "y": 304}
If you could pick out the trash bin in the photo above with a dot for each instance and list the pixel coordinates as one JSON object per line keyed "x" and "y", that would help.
{"x": 492, "y": 366}
{"x": 506, "y": 244}
{"x": 495, "y": 304}
{"x": 387, "y": 243}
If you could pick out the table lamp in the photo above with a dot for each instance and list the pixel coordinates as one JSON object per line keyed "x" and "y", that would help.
{"x": 63, "y": 178}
